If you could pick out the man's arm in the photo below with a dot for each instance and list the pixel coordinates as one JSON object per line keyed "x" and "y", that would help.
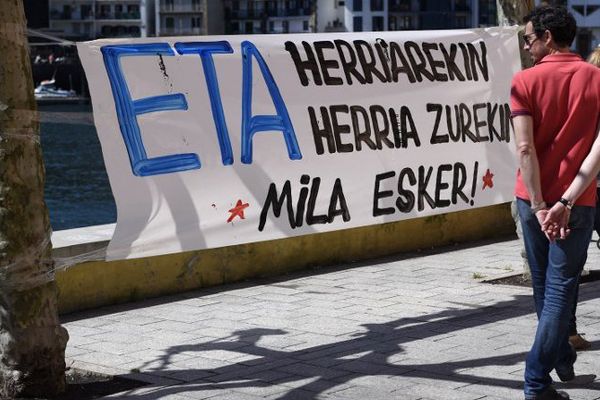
{"x": 530, "y": 168}
{"x": 528, "y": 161}
{"x": 587, "y": 173}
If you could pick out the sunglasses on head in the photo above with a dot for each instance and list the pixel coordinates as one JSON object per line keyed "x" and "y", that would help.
{"x": 527, "y": 40}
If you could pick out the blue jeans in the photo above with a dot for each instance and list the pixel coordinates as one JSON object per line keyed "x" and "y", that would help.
{"x": 555, "y": 269}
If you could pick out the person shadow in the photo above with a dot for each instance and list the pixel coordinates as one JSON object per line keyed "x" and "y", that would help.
{"x": 378, "y": 351}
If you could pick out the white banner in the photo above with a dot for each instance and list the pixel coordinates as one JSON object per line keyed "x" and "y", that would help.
{"x": 217, "y": 141}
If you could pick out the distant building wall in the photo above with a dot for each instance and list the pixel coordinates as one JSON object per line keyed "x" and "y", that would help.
{"x": 269, "y": 16}
{"x": 587, "y": 15}
{"x": 189, "y": 17}
{"x": 392, "y": 15}
{"x": 91, "y": 19}
{"x": 331, "y": 16}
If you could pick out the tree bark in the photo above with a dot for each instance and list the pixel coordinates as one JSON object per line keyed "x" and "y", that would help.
{"x": 512, "y": 12}
{"x": 32, "y": 341}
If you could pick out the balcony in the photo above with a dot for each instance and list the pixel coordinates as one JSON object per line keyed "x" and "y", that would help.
{"x": 180, "y": 8}
{"x": 73, "y": 15}
{"x": 400, "y": 8}
{"x": 181, "y": 31}
{"x": 245, "y": 14}
{"x": 109, "y": 31}
{"x": 294, "y": 12}
{"x": 263, "y": 13}
{"x": 118, "y": 15}
{"x": 335, "y": 26}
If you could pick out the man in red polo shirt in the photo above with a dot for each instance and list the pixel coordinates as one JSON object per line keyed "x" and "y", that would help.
{"x": 555, "y": 109}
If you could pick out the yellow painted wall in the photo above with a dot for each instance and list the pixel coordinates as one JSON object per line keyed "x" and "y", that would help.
{"x": 94, "y": 284}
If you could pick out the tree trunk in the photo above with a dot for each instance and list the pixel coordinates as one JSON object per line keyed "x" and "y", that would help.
{"x": 32, "y": 341}
{"x": 512, "y": 12}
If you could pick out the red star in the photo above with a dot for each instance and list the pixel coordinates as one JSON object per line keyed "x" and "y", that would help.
{"x": 237, "y": 211}
{"x": 488, "y": 180}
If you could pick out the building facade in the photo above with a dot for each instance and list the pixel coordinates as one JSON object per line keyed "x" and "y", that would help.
{"x": 189, "y": 17}
{"x": 352, "y": 15}
{"x": 91, "y": 19}
{"x": 269, "y": 16}
{"x": 393, "y": 15}
{"x": 587, "y": 15}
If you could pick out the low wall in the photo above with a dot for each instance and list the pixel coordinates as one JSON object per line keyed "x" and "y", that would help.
{"x": 90, "y": 284}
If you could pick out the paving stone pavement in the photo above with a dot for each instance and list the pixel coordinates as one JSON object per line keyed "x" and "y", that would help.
{"x": 415, "y": 326}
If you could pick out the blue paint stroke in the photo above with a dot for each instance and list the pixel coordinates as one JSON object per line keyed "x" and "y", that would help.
{"x": 259, "y": 123}
{"x": 127, "y": 111}
{"x": 205, "y": 50}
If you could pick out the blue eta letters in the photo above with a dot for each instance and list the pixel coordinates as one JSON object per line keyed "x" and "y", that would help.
{"x": 128, "y": 109}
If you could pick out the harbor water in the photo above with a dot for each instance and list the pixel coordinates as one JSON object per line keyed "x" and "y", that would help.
{"x": 77, "y": 190}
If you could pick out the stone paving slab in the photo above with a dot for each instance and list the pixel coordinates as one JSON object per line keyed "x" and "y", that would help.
{"x": 419, "y": 326}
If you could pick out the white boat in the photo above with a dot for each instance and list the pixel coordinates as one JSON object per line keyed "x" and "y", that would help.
{"x": 47, "y": 90}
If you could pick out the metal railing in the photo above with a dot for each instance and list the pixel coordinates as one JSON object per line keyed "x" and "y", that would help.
{"x": 263, "y": 13}
{"x": 180, "y": 31}
{"x": 166, "y": 8}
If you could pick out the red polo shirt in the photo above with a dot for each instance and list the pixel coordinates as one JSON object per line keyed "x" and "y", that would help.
{"x": 562, "y": 95}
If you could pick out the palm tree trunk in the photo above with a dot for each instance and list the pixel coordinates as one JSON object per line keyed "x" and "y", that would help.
{"x": 512, "y": 12}
{"x": 32, "y": 341}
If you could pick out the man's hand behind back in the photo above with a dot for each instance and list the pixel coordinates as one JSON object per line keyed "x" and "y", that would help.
{"x": 555, "y": 222}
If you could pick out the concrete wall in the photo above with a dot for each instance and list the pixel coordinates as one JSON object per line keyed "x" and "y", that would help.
{"x": 328, "y": 11}
{"x": 96, "y": 283}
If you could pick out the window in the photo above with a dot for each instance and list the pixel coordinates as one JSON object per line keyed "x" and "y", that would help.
{"x": 195, "y": 5}
{"x": 104, "y": 11}
{"x": 377, "y": 24}
{"x": 169, "y": 5}
{"x": 461, "y": 5}
{"x": 487, "y": 13}
{"x": 406, "y": 22}
{"x": 305, "y": 26}
{"x": 357, "y": 5}
{"x": 460, "y": 22}
{"x": 133, "y": 11}
{"x": 169, "y": 23}
{"x": 196, "y": 22}
{"x": 249, "y": 27}
{"x": 357, "y": 24}
{"x": 402, "y": 22}
{"x": 286, "y": 26}
{"x": 399, "y": 5}
{"x": 86, "y": 12}
{"x": 271, "y": 26}
{"x": 376, "y": 5}
{"x": 579, "y": 9}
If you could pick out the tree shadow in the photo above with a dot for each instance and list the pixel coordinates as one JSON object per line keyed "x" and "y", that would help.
{"x": 375, "y": 352}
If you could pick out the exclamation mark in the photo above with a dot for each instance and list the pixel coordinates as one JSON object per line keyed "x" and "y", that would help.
{"x": 474, "y": 185}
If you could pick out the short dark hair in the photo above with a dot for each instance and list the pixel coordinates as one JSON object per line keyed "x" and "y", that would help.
{"x": 557, "y": 20}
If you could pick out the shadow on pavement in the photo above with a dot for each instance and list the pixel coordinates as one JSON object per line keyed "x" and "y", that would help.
{"x": 367, "y": 354}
